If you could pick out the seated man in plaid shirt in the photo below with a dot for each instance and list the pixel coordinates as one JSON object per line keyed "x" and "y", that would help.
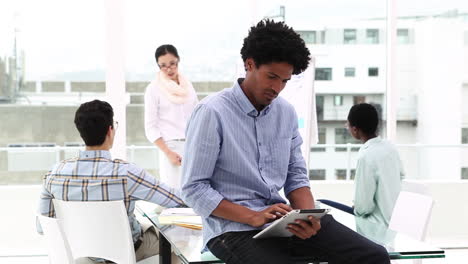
{"x": 95, "y": 176}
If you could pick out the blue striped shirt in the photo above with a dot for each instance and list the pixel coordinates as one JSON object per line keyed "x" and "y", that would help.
{"x": 94, "y": 176}
{"x": 236, "y": 153}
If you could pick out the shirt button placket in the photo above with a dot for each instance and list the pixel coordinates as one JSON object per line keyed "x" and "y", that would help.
{"x": 259, "y": 144}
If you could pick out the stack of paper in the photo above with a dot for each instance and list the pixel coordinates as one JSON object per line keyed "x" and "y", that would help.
{"x": 177, "y": 211}
{"x": 184, "y": 217}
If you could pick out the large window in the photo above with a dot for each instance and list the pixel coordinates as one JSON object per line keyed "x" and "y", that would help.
{"x": 431, "y": 35}
{"x": 53, "y": 56}
{"x": 51, "y": 60}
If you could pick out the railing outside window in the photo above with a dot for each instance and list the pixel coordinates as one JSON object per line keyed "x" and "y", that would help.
{"x": 27, "y": 165}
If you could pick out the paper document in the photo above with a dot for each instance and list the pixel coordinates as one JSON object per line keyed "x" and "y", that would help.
{"x": 184, "y": 217}
{"x": 189, "y": 221}
{"x": 195, "y": 227}
{"x": 178, "y": 211}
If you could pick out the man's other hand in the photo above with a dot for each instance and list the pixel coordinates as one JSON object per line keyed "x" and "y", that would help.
{"x": 305, "y": 229}
{"x": 271, "y": 213}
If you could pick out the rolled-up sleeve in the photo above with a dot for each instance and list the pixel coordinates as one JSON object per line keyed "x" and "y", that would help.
{"x": 297, "y": 172}
{"x": 203, "y": 140}
{"x": 152, "y": 129}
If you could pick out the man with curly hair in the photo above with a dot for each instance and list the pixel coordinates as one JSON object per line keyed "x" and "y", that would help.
{"x": 243, "y": 147}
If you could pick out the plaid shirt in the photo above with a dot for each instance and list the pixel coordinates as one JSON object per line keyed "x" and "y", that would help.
{"x": 94, "y": 176}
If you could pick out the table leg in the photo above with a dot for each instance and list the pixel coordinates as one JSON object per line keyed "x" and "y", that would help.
{"x": 164, "y": 250}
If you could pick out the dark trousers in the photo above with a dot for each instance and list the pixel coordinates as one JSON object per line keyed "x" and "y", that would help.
{"x": 337, "y": 205}
{"x": 334, "y": 243}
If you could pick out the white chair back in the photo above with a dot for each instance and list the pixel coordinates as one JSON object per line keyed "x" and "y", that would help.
{"x": 97, "y": 229}
{"x": 411, "y": 214}
{"x": 415, "y": 186}
{"x": 57, "y": 244}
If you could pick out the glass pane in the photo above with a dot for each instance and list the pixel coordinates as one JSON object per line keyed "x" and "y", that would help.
{"x": 464, "y": 139}
{"x": 317, "y": 174}
{"x": 464, "y": 173}
{"x": 322, "y": 135}
{"x": 323, "y": 74}
{"x": 319, "y": 101}
{"x": 350, "y": 72}
{"x": 342, "y": 136}
{"x": 349, "y": 36}
{"x": 372, "y": 36}
{"x": 338, "y": 100}
{"x": 51, "y": 60}
{"x": 340, "y": 174}
{"x": 403, "y": 36}
{"x": 359, "y": 99}
{"x": 431, "y": 35}
{"x": 373, "y": 72}
{"x": 309, "y": 37}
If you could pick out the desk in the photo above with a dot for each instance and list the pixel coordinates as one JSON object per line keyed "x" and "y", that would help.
{"x": 187, "y": 243}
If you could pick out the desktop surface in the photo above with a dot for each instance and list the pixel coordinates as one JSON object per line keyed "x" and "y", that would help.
{"x": 187, "y": 243}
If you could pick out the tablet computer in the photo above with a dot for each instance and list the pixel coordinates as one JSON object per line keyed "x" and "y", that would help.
{"x": 278, "y": 227}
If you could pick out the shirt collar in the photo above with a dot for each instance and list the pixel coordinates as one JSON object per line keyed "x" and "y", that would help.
{"x": 244, "y": 102}
{"x": 86, "y": 154}
{"x": 372, "y": 141}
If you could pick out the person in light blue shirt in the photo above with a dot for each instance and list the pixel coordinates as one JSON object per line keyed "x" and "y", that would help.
{"x": 243, "y": 149}
{"x": 379, "y": 170}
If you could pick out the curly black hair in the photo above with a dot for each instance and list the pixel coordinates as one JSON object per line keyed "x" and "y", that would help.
{"x": 271, "y": 41}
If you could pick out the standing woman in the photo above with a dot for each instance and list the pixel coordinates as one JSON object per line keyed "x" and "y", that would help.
{"x": 169, "y": 102}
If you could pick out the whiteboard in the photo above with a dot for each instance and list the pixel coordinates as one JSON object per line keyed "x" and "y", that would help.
{"x": 299, "y": 91}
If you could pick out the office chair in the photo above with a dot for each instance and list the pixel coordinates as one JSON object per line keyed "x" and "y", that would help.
{"x": 98, "y": 229}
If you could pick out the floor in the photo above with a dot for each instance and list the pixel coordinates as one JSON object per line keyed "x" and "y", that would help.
{"x": 453, "y": 256}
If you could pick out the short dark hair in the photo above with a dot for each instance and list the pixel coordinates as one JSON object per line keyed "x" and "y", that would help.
{"x": 271, "y": 41}
{"x": 92, "y": 119}
{"x": 364, "y": 117}
{"x": 165, "y": 49}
